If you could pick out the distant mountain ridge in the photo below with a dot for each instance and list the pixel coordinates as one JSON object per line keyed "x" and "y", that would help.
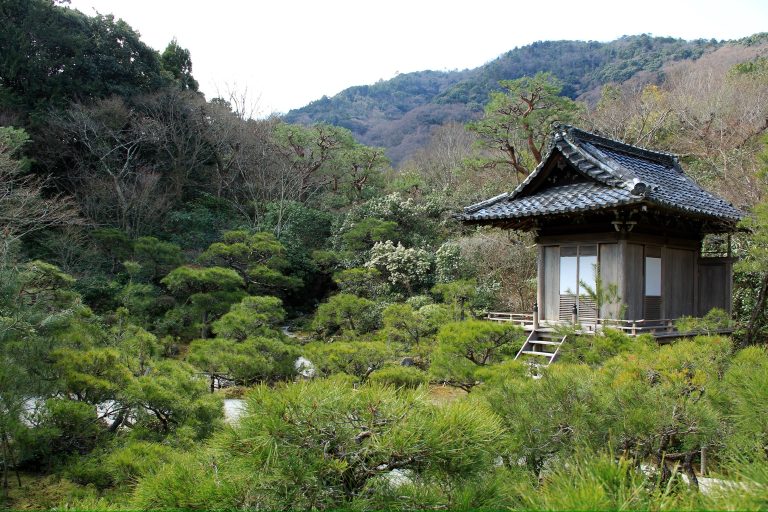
{"x": 399, "y": 114}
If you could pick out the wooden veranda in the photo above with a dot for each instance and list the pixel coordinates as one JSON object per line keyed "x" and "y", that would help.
{"x": 661, "y": 329}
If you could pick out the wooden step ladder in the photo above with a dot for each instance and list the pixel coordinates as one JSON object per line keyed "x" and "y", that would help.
{"x": 541, "y": 346}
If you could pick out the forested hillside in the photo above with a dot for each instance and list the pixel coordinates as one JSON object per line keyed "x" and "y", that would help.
{"x": 163, "y": 254}
{"x": 400, "y": 114}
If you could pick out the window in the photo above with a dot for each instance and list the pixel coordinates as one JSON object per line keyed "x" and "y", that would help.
{"x": 652, "y": 277}
{"x": 577, "y": 265}
{"x": 569, "y": 271}
{"x": 587, "y": 268}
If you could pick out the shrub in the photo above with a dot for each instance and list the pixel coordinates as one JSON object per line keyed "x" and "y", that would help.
{"x": 749, "y": 479}
{"x": 61, "y": 427}
{"x": 345, "y": 312}
{"x": 89, "y": 470}
{"x": 419, "y": 301}
{"x": 360, "y": 281}
{"x": 592, "y": 481}
{"x": 184, "y": 483}
{"x": 595, "y": 349}
{"x": 136, "y": 460}
{"x": 655, "y": 403}
{"x": 548, "y": 417}
{"x": 400, "y": 376}
{"x": 465, "y": 347}
{"x": 170, "y": 396}
{"x": 404, "y": 268}
{"x": 357, "y": 358}
{"x": 709, "y": 324}
{"x": 743, "y": 399}
{"x": 252, "y": 316}
{"x": 321, "y": 444}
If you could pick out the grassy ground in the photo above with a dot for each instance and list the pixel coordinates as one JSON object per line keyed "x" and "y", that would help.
{"x": 41, "y": 492}
{"x": 441, "y": 394}
{"x": 48, "y": 492}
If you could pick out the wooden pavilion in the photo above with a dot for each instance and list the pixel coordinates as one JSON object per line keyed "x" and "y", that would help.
{"x": 628, "y": 218}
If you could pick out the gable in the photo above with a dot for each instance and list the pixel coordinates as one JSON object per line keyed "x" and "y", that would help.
{"x": 556, "y": 171}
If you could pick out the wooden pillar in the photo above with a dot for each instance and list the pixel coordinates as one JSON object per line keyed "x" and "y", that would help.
{"x": 540, "y": 276}
{"x": 729, "y": 278}
{"x": 664, "y": 265}
{"x": 621, "y": 277}
{"x": 696, "y": 311}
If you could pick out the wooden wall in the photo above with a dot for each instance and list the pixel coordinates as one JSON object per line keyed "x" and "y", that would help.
{"x": 678, "y": 280}
{"x": 609, "y": 273}
{"x": 634, "y": 281}
{"x": 715, "y": 285}
{"x": 690, "y": 285}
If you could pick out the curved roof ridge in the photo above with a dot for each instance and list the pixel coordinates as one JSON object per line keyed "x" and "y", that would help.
{"x": 615, "y": 173}
{"x": 483, "y": 204}
{"x": 535, "y": 172}
{"x": 671, "y": 158}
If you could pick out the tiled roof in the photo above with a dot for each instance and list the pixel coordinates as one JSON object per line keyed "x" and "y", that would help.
{"x": 556, "y": 200}
{"x": 617, "y": 174}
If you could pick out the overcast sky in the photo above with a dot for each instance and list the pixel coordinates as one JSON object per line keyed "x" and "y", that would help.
{"x": 287, "y": 53}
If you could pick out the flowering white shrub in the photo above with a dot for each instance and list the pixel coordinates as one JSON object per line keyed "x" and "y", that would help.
{"x": 449, "y": 263}
{"x": 401, "y": 266}
{"x": 395, "y": 207}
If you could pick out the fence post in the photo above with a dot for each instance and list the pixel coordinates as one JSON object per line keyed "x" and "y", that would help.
{"x": 634, "y": 327}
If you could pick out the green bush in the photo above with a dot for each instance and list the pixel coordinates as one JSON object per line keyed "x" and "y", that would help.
{"x": 322, "y": 444}
{"x": 400, "y": 376}
{"x": 89, "y": 470}
{"x": 656, "y": 403}
{"x": 419, "y": 301}
{"x": 403, "y": 324}
{"x": 184, "y": 483}
{"x": 549, "y": 417}
{"x": 595, "y": 349}
{"x": 358, "y": 358}
{"x": 171, "y": 396}
{"x": 136, "y": 460}
{"x": 710, "y": 323}
{"x": 596, "y": 481}
{"x": 743, "y": 400}
{"x": 463, "y": 348}
{"x": 252, "y": 316}
{"x": 498, "y": 488}
{"x": 61, "y": 427}
{"x": 749, "y": 479}
{"x": 345, "y": 312}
